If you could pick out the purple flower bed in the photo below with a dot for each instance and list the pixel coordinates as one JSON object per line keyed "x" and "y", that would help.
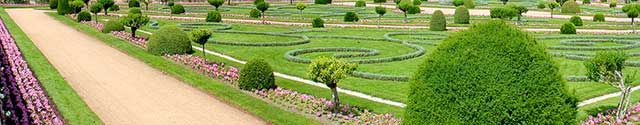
{"x": 140, "y": 41}
{"x": 23, "y": 90}
{"x": 94, "y": 24}
{"x": 609, "y": 118}
{"x": 213, "y": 70}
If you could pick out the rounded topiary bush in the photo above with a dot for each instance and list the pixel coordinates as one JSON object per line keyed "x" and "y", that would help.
{"x": 568, "y": 28}
{"x": 53, "y": 4}
{"x": 461, "y": 16}
{"x": 317, "y": 23}
{"x": 177, "y": 9}
{"x": 135, "y": 10}
{"x": 576, "y": 20}
{"x": 169, "y": 40}
{"x": 599, "y": 17}
{"x": 361, "y": 3}
{"x": 214, "y": 16}
{"x": 469, "y": 4}
{"x": 586, "y": 1}
{"x": 414, "y": 9}
{"x": 113, "y": 25}
{"x": 256, "y": 74}
{"x": 570, "y": 7}
{"x": 490, "y": 74}
{"x": 613, "y": 4}
{"x": 351, "y": 17}
{"x": 83, "y": 16}
{"x": 63, "y": 7}
{"x": 255, "y": 13}
{"x": 457, "y": 2}
{"x": 134, "y": 3}
{"x": 438, "y": 21}
{"x": 114, "y": 8}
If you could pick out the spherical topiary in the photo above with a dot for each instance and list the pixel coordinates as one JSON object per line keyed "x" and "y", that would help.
{"x": 461, "y": 16}
{"x": 114, "y": 8}
{"x": 214, "y": 16}
{"x": 458, "y": 2}
{"x": 576, "y": 20}
{"x": 490, "y": 74}
{"x": 379, "y": 1}
{"x": 63, "y": 7}
{"x": 568, "y": 28}
{"x": 134, "y": 3}
{"x": 177, "y": 9}
{"x": 351, "y": 17}
{"x": 256, "y": 74}
{"x": 613, "y": 4}
{"x": 169, "y": 40}
{"x": 469, "y": 4}
{"x": 84, "y": 16}
{"x": 113, "y": 25}
{"x": 171, "y": 3}
{"x": 135, "y": 10}
{"x": 53, "y": 4}
{"x": 599, "y": 17}
{"x": 317, "y": 23}
{"x": 361, "y": 3}
{"x": 322, "y": 1}
{"x": 570, "y": 7}
{"x": 255, "y": 13}
{"x": 414, "y": 9}
{"x": 438, "y": 21}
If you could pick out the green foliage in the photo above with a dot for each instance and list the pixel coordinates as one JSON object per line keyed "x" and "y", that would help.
{"x": 379, "y": 1}
{"x": 255, "y": 2}
{"x": 461, "y": 16}
{"x": 629, "y": 7}
{"x": 633, "y": 13}
{"x": 438, "y": 21}
{"x": 322, "y": 1}
{"x": 262, "y": 6}
{"x": 53, "y": 4}
{"x": 200, "y": 36}
{"x": 553, "y": 5}
{"x": 177, "y": 9}
{"x": 417, "y": 2}
{"x": 381, "y": 10}
{"x": 317, "y": 23}
{"x": 469, "y": 4}
{"x": 568, "y": 28}
{"x": 351, "y": 17}
{"x": 329, "y": 70}
{"x": 215, "y": 3}
{"x": 504, "y": 2}
{"x": 135, "y": 10}
{"x": 63, "y": 7}
{"x": 603, "y": 66}
{"x": 503, "y": 13}
{"x": 76, "y": 6}
{"x": 458, "y": 2}
{"x": 135, "y": 21}
{"x": 171, "y": 3}
{"x": 541, "y": 5}
{"x": 603, "y": 1}
{"x": 107, "y": 4}
{"x": 255, "y": 13}
{"x": 96, "y": 8}
{"x": 570, "y": 7}
{"x": 586, "y": 1}
{"x": 134, "y": 3}
{"x": 256, "y": 74}
{"x": 414, "y": 10}
{"x": 490, "y": 74}
{"x": 576, "y": 20}
{"x": 598, "y": 17}
{"x": 113, "y": 25}
{"x": 114, "y": 8}
{"x": 83, "y": 16}
{"x": 613, "y": 4}
{"x": 169, "y": 40}
{"x": 214, "y": 16}
{"x": 361, "y": 3}
{"x": 301, "y": 6}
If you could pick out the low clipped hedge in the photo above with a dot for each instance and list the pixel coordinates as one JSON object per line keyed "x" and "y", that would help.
{"x": 190, "y": 26}
{"x": 317, "y": 23}
{"x": 256, "y": 74}
{"x": 255, "y": 13}
{"x": 83, "y": 16}
{"x": 177, "y": 9}
{"x": 570, "y": 7}
{"x": 576, "y": 20}
{"x": 373, "y": 76}
{"x": 461, "y": 16}
{"x": 588, "y": 44}
{"x": 303, "y": 39}
{"x": 322, "y": 1}
{"x": 113, "y": 25}
{"x": 213, "y": 16}
{"x": 438, "y": 21}
{"x": 351, "y": 17}
{"x": 598, "y": 17}
{"x": 389, "y": 37}
{"x": 169, "y": 40}
{"x": 293, "y": 54}
{"x": 568, "y": 28}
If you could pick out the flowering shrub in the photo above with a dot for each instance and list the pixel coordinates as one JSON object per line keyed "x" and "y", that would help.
{"x": 140, "y": 41}
{"x": 24, "y": 101}
{"x": 609, "y": 118}
{"x": 213, "y": 70}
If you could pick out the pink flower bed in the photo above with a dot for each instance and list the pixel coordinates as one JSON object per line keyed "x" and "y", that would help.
{"x": 94, "y": 24}
{"x": 25, "y": 89}
{"x": 609, "y": 118}
{"x": 213, "y": 70}
{"x": 140, "y": 41}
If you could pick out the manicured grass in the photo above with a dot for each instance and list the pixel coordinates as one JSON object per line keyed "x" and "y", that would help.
{"x": 71, "y": 106}
{"x": 217, "y": 88}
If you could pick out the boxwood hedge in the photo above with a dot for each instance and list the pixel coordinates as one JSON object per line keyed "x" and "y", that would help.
{"x": 169, "y": 40}
{"x": 256, "y": 74}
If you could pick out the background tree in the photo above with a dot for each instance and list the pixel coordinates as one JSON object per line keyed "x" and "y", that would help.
{"x": 86, "y": 2}
{"x": 301, "y": 6}
{"x": 134, "y": 3}
{"x": 216, "y": 3}
{"x": 95, "y": 9}
{"x": 519, "y": 10}
{"x": 541, "y": 5}
{"x": 114, "y": 8}
{"x": 263, "y": 7}
{"x": 330, "y": 71}
{"x": 200, "y": 36}
{"x": 380, "y": 10}
{"x": 146, "y": 3}
{"x": 470, "y": 4}
{"x": 552, "y": 5}
{"x": 404, "y": 6}
{"x": 606, "y": 67}
{"x": 632, "y": 12}
{"x": 360, "y": 3}
{"x": 504, "y": 2}
{"x": 135, "y": 21}
{"x": 106, "y": 4}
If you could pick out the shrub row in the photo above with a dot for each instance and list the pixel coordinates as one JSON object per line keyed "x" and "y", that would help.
{"x": 303, "y": 39}
{"x": 189, "y": 26}
{"x": 389, "y": 37}
{"x": 629, "y": 44}
{"x": 361, "y": 52}
{"x": 291, "y": 55}
{"x": 373, "y": 76}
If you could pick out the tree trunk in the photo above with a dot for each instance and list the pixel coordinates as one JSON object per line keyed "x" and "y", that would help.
{"x": 633, "y": 25}
{"x": 518, "y": 22}
{"x": 133, "y": 32}
{"x": 405, "y": 17}
{"x": 204, "y": 53}
{"x": 624, "y": 99}
{"x": 105, "y": 12}
{"x": 228, "y": 2}
{"x": 291, "y": 2}
{"x": 551, "y": 13}
{"x": 336, "y": 100}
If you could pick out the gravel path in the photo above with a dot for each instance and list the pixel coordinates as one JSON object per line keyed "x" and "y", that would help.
{"x": 121, "y": 89}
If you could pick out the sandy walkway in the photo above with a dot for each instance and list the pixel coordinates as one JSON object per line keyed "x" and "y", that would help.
{"x": 119, "y": 88}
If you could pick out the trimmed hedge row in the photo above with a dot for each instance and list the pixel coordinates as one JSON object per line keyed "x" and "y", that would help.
{"x": 190, "y": 26}
{"x": 362, "y": 52}
{"x": 389, "y": 37}
{"x": 373, "y": 76}
{"x": 629, "y": 44}
{"x": 303, "y": 39}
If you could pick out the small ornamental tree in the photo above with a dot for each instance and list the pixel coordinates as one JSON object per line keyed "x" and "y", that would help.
{"x": 351, "y": 17}
{"x": 504, "y": 13}
{"x": 361, "y": 3}
{"x": 216, "y": 3}
{"x": 470, "y": 4}
{"x": 263, "y": 7}
{"x": 576, "y": 20}
{"x": 461, "y": 16}
{"x": 317, "y": 23}
{"x": 106, "y": 4}
{"x": 570, "y": 7}
{"x": 379, "y": 1}
{"x": 489, "y": 74}
{"x": 83, "y": 16}
{"x": 598, "y": 17}
{"x": 404, "y": 6}
{"x": 254, "y": 13}
{"x": 169, "y": 40}
{"x": 76, "y": 6}
{"x": 114, "y": 8}
{"x": 552, "y": 5}
{"x": 606, "y": 67}
{"x": 53, "y": 4}
{"x": 301, "y": 6}
{"x": 63, "y": 7}
{"x": 330, "y": 71}
{"x": 568, "y": 28}
{"x": 438, "y": 21}
{"x": 200, "y": 36}
{"x": 95, "y": 9}
{"x": 380, "y": 10}
{"x": 632, "y": 12}
{"x": 417, "y": 2}
{"x": 214, "y": 16}
{"x": 519, "y": 10}
{"x": 146, "y": 3}
{"x": 256, "y": 74}
{"x": 135, "y": 21}
{"x": 134, "y": 3}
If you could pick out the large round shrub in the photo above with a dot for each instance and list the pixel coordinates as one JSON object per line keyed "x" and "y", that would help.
{"x": 317, "y": 23}
{"x": 113, "y": 25}
{"x": 214, "y": 16}
{"x": 568, "y": 28}
{"x": 134, "y": 3}
{"x": 53, "y": 4}
{"x": 351, "y": 17}
{"x": 576, "y": 20}
{"x": 461, "y": 16}
{"x": 438, "y": 21}
{"x": 490, "y": 74}
{"x": 83, "y": 16}
{"x": 63, "y": 7}
{"x": 599, "y": 17}
{"x": 169, "y": 40}
{"x": 570, "y": 7}
{"x": 177, "y": 9}
{"x": 255, "y": 13}
{"x": 256, "y": 74}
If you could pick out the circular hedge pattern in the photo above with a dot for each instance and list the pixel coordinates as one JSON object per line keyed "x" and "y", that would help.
{"x": 189, "y": 26}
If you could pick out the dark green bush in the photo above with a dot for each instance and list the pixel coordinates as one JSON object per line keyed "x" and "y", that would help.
{"x": 256, "y": 74}
{"x": 322, "y": 1}
{"x": 351, "y": 17}
{"x": 169, "y": 40}
{"x": 135, "y": 10}
{"x": 113, "y": 25}
{"x": 177, "y": 9}
{"x": 417, "y": 2}
{"x": 414, "y": 9}
{"x": 599, "y": 17}
{"x": 134, "y": 3}
{"x": 570, "y": 7}
{"x": 568, "y": 28}
{"x": 458, "y": 2}
{"x": 317, "y": 23}
{"x": 469, "y": 4}
{"x": 361, "y": 3}
{"x": 461, "y": 16}
{"x": 76, "y": 6}
{"x": 214, "y": 16}
{"x": 83, "y": 16}
{"x": 613, "y": 4}
{"x": 63, "y": 7}
{"x": 53, "y": 4}
{"x": 171, "y": 3}
{"x": 255, "y": 13}
{"x": 490, "y": 74}
{"x": 255, "y": 2}
{"x": 114, "y": 8}
{"x": 503, "y": 13}
{"x": 438, "y": 21}
{"x": 379, "y": 1}
{"x": 576, "y": 20}
{"x": 586, "y": 1}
